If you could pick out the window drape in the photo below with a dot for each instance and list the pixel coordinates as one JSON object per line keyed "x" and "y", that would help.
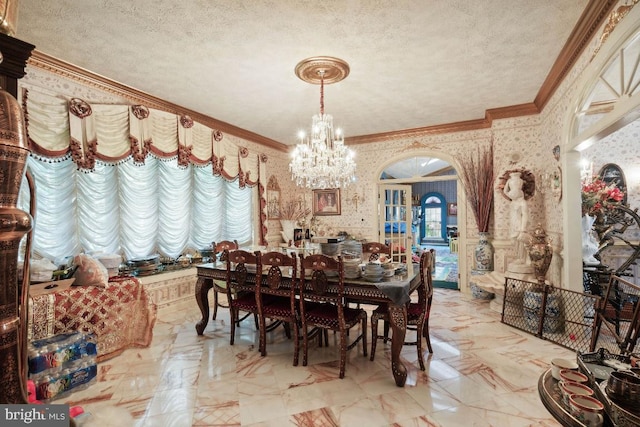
{"x": 136, "y": 181}
{"x": 134, "y": 210}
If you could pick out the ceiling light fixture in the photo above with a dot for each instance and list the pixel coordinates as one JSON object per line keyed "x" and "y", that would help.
{"x": 322, "y": 160}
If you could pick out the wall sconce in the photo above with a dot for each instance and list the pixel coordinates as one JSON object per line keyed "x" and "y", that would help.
{"x": 550, "y": 181}
{"x": 586, "y": 171}
{"x": 543, "y": 182}
{"x": 355, "y": 198}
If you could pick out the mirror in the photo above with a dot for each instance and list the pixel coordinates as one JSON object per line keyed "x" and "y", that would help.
{"x": 612, "y": 173}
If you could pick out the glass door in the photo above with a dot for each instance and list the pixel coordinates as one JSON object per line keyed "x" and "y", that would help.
{"x": 395, "y": 220}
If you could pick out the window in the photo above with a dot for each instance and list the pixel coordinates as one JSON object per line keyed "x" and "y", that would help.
{"x": 433, "y": 208}
{"x": 134, "y": 209}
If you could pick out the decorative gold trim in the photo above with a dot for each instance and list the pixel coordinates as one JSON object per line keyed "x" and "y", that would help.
{"x": 612, "y": 21}
{"x": 331, "y": 69}
{"x": 415, "y": 145}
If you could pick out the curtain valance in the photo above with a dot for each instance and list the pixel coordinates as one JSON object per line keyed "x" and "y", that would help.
{"x": 61, "y": 127}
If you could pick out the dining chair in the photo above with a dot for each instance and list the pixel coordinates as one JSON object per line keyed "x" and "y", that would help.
{"x": 276, "y": 298}
{"x": 220, "y": 285}
{"x": 241, "y": 292}
{"x": 417, "y": 313}
{"x": 323, "y": 306}
{"x": 374, "y": 249}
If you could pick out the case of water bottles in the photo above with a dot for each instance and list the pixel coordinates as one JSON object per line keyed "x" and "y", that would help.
{"x": 62, "y": 363}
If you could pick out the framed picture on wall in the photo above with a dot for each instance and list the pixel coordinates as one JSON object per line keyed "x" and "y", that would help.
{"x": 273, "y": 198}
{"x": 273, "y": 204}
{"x": 326, "y": 202}
{"x": 452, "y": 209}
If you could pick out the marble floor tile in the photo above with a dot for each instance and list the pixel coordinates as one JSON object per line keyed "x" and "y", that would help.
{"x": 481, "y": 373}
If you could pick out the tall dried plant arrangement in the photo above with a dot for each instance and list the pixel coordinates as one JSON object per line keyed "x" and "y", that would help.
{"x": 477, "y": 179}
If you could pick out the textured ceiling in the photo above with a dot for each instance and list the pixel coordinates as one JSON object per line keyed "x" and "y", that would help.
{"x": 413, "y": 63}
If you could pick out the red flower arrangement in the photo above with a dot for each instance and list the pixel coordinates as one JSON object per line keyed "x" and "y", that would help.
{"x": 599, "y": 197}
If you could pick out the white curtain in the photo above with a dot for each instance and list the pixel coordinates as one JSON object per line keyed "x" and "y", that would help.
{"x": 97, "y": 212}
{"x": 55, "y": 231}
{"x": 134, "y": 209}
{"x": 138, "y": 195}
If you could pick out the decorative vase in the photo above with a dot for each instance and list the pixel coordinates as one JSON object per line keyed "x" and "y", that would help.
{"x": 540, "y": 253}
{"x": 553, "y": 316}
{"x": 288, "y": 226}
{"x": 14, "y": 225}
{"x": 484, "y": 253}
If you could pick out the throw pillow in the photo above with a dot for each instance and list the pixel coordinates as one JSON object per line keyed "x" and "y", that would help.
{"x": 90, "y": 272}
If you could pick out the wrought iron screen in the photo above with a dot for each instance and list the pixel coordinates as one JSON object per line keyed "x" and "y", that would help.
{"x": 558, "y": 315}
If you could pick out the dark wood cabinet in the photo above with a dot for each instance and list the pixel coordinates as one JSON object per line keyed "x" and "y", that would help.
{"x": 15, "y": 54}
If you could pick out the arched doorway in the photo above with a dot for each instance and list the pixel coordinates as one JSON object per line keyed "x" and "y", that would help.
{"x": 434, "y": 186}
{"x": 606, "y": 103}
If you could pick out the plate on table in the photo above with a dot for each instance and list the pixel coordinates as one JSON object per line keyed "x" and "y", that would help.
{"x": 376, "y": 278}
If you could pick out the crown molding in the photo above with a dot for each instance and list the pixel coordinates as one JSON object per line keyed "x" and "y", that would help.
{"x": 465, "y": 126}
{"x": 591, "y": 19}
{"x": 85, "y": 77}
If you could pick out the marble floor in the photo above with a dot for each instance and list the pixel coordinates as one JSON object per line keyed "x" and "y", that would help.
{"x": 481, "y": 373}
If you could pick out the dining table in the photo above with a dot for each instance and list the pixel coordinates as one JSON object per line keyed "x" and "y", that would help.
{"x": 394, "y": 292}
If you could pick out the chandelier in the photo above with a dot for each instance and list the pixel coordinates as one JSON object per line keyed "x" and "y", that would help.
{"x": 321, "y": 159}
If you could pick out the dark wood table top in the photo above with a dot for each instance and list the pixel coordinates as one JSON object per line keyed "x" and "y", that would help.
{"x": 396, "y": 289}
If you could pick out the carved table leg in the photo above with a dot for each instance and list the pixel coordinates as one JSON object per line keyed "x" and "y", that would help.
{"x": 203, "y": 286}
{"x": 398, "y": 317}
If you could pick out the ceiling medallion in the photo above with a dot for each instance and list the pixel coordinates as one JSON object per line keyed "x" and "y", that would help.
{"x": 315, "y": 70}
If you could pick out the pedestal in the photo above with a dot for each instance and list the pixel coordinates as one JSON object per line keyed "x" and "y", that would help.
{"x": 493, "y": 282}
{"x": 478, "y": 291}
